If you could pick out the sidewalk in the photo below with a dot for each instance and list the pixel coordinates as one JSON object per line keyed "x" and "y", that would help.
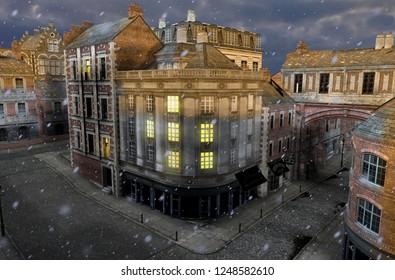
{"x": 198, "y": 236}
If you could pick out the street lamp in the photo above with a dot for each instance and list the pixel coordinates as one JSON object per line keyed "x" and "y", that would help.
{"x": 341, "y": 161}
{"x": 1, "y": 217}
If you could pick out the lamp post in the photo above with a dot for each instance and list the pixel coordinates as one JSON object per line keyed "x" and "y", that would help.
{"x": 341, "y": 161}
{"x": 1, "y": 217}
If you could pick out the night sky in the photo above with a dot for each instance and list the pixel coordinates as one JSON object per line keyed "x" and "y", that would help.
{"x": 323, "y": 24}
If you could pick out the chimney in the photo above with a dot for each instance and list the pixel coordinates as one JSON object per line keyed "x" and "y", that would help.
{"x": 380, "y": 41}
{"x": 181, "y": 34}
{"x": 389, "y": 40}
{"x": 135, "y": 10}
{"x": 191, "y": 16}
{"x": 202, "y": 37}
{"x": 162, "y": 23}
{"x": 302, "y": 47}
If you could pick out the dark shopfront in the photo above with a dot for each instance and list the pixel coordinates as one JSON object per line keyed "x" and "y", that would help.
{"x": 189, "y": 202}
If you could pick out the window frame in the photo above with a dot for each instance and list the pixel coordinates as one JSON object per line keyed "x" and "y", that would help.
{"x": 378, "y": 167}
{"x": 369, "y": 215}
{"x": 368, "y": 83}
{"x": 298, "y": 88}
{"x": 324, "y": 83}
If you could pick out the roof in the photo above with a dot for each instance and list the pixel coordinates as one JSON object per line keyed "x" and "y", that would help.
{"x": 208, "y": 57}
{"x": 101, "y": 33}
{"x": 380, "y": 126}
{"x": 13, "y": 66}
{"x": 339, "y": 58}
{"x": 273, "y": 94}
{"x": 32, "y": 42}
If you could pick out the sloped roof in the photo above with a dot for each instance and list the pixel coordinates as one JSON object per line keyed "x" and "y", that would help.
{"x": 208, "y": 57}
{"x": 31, "y": 43}
{"x": 101, "y": 33}
{"x": 273, "y": 94}
{"x": 380, "y": 126}
{"x": 339, "y": 58}
{"x": 13, "y": 66}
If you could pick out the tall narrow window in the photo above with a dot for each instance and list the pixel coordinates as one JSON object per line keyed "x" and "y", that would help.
{"x": 102, "y": 73}
{"x": 206, "y": 160}
{"x": 173, "y": 131}
{"x": 105, "y": 147}
{"x": 289, "y": 118}
{"x": 233, "y": 103}
{"x": 104, "y": 108}
{"x": 57, "y": 108}
{"x": 76, "y": 105}
{"x": 281, "y": 119}
{"x": 249, "y": 150}
{"x": 233, "y": 156}
{"x": 244, "y": 65}
{"x": 19, "y": 84}
{"x": 280, "y": 145}
{"x": 368, "y": 83}
{"x": 369, "y": 215}
{"x": 1, "y": 110}
{"x": 250, "y": 105}
{"x": 173, "y": 159}
{"x": 324, "y": 83}
{"x": 173, "y": 104}
{"x": 207, "y": 104}
{"x": 234, "y": 129}
{"x": 21, "y": 109}
{"x": 150, "y": 153}
{"x": 131, "y": 102}
{"x": 73, "y": 70}
{"x": 206, "y": 133}
{"x": 255, "y": 66}
{"x": 327, "y": 125}
{"x": 132, "y": 149}
{"x": 150, "y": 129}
{"x": 131, "y": 125}
{"x": 78, "y": 140}
{"x": 150, "y": 103}
{"x": 298, "y": 84}
{"x": 249, "y": 126}
{"x": 373, "y": 169}
{"x": 270, "y": 149}
{"x": 91, "y": 144}
{"x": 87, "y": 70}
{"x": 271, "y": 121}
{"x": 88, "y": 109}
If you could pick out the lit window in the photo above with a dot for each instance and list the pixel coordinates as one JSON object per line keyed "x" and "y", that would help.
{"x": 369, "y": 215}
{"x": 173, "y": 131}
{"x": 105, "y": 147}
{"x": 233, "y": 103}
{"x": 207, "y": 104}
{"x": 374, "y": 169}
{"x": 206, "y": 160}
{"x": 206, "y": 133}
{"x": 87, "y": 69}
{"x": 173, "y": 104}
{"x": 174, "y": 159}
{"x": 150, "y": 129}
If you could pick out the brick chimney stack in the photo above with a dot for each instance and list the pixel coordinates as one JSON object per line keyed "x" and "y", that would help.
{"x": 135, "y": 10}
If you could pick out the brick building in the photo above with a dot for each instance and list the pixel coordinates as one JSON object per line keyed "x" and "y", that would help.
{"x": 370, "y": 223}
{"x": 32, "y": 90}
{"x": 335, "y": 90}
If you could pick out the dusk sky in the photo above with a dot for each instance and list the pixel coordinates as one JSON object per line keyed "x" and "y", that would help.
{"x": 323, "y": 24}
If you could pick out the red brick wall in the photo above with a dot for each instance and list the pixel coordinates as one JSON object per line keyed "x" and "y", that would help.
{"x": 88, "y": 167}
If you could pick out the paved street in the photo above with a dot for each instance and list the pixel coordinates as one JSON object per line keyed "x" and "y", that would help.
{"x": 52, "y": 212}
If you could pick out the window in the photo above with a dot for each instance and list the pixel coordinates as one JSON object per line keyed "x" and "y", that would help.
{"x": 234, "y": 129}
{"x": 132, "y": 149}
{"x": 207, "y": 105}
{"x": 19, "y": 84}
{"x": 233, "y": 156}
{"x": 131, "y": 125}
{"x": 57, "y": 108}
{"x": 206, "y": 160}
{"x": 249, "y": 127}
{"x": 288, "y": 143}
{"x": 76, "y": 105}
{"x": 206, "y": 133}
{"x": 54, "y": 67}
{"x": 88, "y": 107}
{"x": 369, "y": 215}
{"x": 167, "y": 35}
{"x": 368, "y": 83}
{"x": 3, "y": 135}
{"x": 173, "y": 159}
{"x": 324, "y": 83}
{"x": 373, "y": 169}
{"x": 289, "y": 118}
{"x": 271, "y": 121}
{"x": 233, "y": 103}
{"x": 255, "y": 66}
{"x": 102, "y": 71}
{"x": 244, "y": 65}
{"x": 150, "y": 103}
{"x": 250, "y": 104}
{"x": 53, "y": 45}
{"x": 21, "y": 109}
{"x": 281, "y": 119}
{"x": 1, "y": 110}
{"x": 327, "y": 125}
{"x": 173, "y": 104}
{"x": 131, "y": 102}
{"x": 23, "y": 132}
{"x": 73, "y": 70}
{"x": 298, "y": 85}
{"x": 78, "y": 139}
{"x": 249, "y": 150}
{"x": 150, "y": 153}
{"x": 91, "y": 144}
{"x": 173, "y": 131}
{"x": 150, "y": 129}
{"x": 270, "y": 149}
{"x": 273, "y": 182}
{"x": 87, "y": 69}
{"x": 280, "y": 145}
{"x": 105, "y": 142}
{"x": 104, "y": 108}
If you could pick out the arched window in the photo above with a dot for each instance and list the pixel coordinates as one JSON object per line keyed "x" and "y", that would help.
{"x": 369, "y": 215}
{"x": 373, "y": 169}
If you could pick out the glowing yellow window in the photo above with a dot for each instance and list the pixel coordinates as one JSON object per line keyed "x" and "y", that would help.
{"x": 173, "y": 131}
{"x": 150, "y": 129}
{"x": 87, "y": 69}
{"x": 173, "y": 104}
{"x": 174, "y": 159}
{"x": 206, "y": 133}
{"x": 206, "y": 160}
{"x": 105, "y": 147}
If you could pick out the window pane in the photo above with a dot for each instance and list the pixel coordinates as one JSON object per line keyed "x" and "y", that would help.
{"x": 173, "y": 104}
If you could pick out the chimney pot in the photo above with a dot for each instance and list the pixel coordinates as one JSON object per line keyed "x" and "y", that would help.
{"x": 162, "y": 23}
{"x": 191, "y": 16}
{"x": 389, "y": 41}
{"x": 135, "y": 10}
{"x": 380, "y": 41}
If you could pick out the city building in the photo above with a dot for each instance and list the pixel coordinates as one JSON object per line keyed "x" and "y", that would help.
{"x": 370, "y": 223}
{"x": 335, "y": 90}
{"x": 241, "y": 47}
{"x": 33, "y": 107}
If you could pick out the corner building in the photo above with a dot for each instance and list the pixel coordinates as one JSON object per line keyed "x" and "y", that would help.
{"x": 370, "y": 223}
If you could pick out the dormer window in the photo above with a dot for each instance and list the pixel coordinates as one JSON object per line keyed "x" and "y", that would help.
{"x": 53, "y": 45}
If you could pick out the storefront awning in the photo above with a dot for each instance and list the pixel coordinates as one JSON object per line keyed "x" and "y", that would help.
{"x": 250, "y": 178}
{"x": 278, "y": 167}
